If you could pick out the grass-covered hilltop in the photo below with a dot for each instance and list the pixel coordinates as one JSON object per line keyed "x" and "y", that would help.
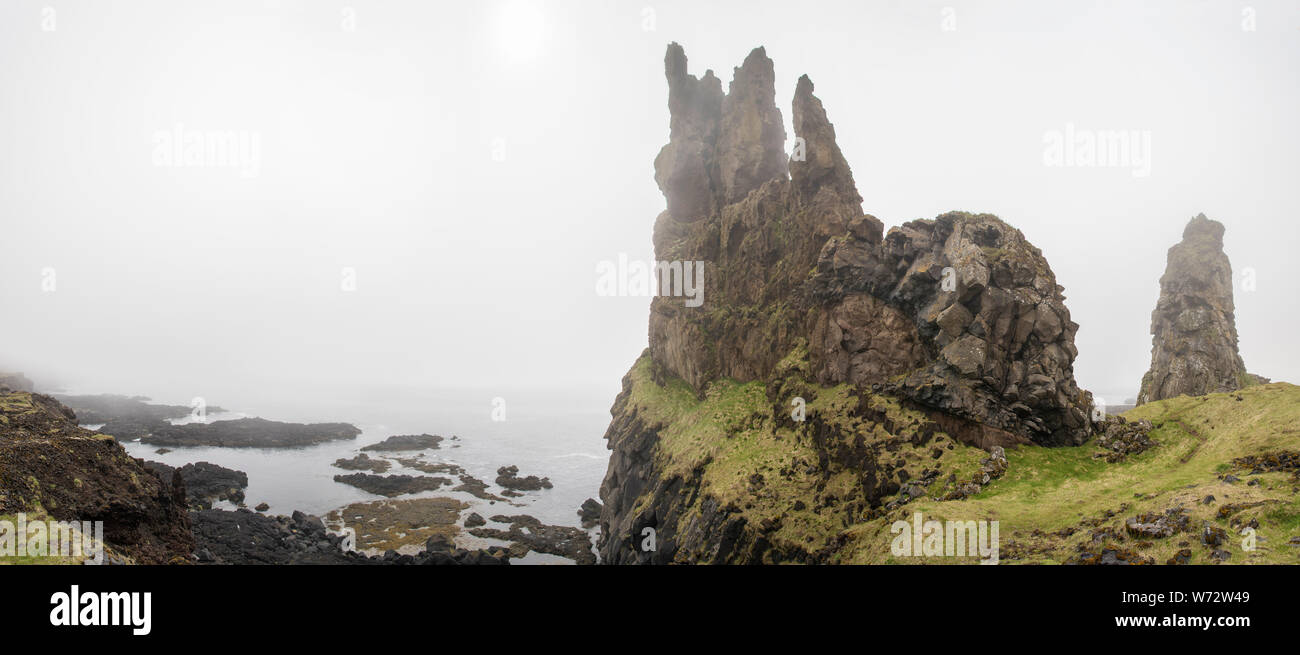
{"x": 837, "y": 380}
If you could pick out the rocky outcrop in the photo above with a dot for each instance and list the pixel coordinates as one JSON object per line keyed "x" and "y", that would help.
{"x": 392, "y": 485}
{"x": 404, "y": 442}
{"x": 242, "y": 537}
{"x": 363, "y": 462}
{"x": 50, "y": 466}
{"x": 249, "y": 433}
{"x": 959, "y": 313}
{"x": 1193, "y": 327}
{"x": 508, "y": 478}
{"x": 589, "y": 512}
{"x": 206, "y": 483}
{"x": 526, "y": 534}
{"x": 959, "y": 317}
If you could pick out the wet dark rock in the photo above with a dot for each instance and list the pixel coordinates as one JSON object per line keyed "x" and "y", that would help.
{"x": 474, "y": 520}
{"x": 243, "y": 537}
{"x": 508, "y": 478}
{"x": 404, "y": 442}
{"x": 479, "y": 489}
{"x": 249, "y": 433}
{"x": 422, "y": 466}
{"x": 262, "y": 507}
{"x": 392, "y": 485}
{"x": 363, "y": 462}
{"x": 589, "y": 512}
{"x": 206, "y": 482}
{"x": 527, "y": 531}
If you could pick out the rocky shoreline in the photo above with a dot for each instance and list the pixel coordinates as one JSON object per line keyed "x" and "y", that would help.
{"x": 189, "y": 527}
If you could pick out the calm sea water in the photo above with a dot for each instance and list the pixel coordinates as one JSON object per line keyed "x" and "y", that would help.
{"x": 552, "y": 433}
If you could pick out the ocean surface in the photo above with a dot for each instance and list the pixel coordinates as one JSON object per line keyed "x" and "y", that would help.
{"x": 548, "y": 433}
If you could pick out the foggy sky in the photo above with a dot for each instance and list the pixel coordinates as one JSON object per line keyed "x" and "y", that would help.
{"x": 474, "y": 163}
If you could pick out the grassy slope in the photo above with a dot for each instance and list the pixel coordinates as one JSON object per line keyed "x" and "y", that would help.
{"x": 732, "y": 430}
{"x": 1049, "y": 490}
{"x": 1049, "y": 502}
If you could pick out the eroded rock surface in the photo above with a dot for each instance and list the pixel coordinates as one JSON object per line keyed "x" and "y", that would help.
{"x": 1193, "y": 327}
{"x": 960, "y": 313}
{"x": 49, "y": 465}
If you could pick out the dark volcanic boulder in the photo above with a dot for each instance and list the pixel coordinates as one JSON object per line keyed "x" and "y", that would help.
{"x": 508, "y": 478}
{"x": 250, "y": 433}
{"x": 589, "y": 512}
{"x": 1193, "y": 327}
{"x": 206, "y": 482}
{"x": 49, "y": 465}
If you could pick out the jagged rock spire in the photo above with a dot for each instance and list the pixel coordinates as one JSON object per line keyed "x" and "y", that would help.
{"x": 823, "y": 167}
{"x": 720, "y": 147}
{"x": 751, "y": 143}
{"x": 1194, "y": 332}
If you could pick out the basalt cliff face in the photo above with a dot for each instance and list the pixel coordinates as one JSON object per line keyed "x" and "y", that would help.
{"x": 942, "y": 332}
{"x": 1193, "y": 327}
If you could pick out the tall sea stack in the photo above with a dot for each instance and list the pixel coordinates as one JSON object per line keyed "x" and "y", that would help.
{"x": 1194, "y": 332}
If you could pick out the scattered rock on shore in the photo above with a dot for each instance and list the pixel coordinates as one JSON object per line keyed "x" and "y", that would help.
{"x": 532, "y": 534}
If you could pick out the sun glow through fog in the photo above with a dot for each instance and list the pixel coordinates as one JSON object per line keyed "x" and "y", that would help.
{"x": 521, "y": 30}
